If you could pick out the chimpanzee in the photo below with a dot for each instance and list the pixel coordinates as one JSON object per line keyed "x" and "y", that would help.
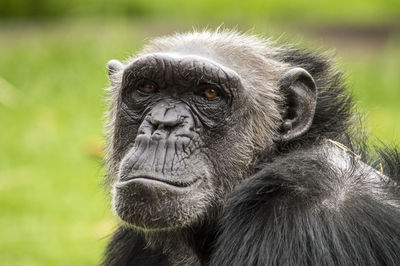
{"x": 229, "y": 149}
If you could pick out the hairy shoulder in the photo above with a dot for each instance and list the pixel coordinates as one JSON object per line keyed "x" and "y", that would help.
{"x": 318, "y": 207}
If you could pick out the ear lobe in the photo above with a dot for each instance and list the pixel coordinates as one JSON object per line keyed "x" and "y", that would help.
{"x": 114, "y": 66}
{"x": 300, "y": 93}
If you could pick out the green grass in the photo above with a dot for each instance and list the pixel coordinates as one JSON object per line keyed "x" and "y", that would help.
{"x": 53, "y": 208}
{"x": 375, "y": 81}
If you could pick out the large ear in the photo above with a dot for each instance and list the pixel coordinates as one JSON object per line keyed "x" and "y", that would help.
{"x": 114, "y": 66}
{"x": 300, "y": 93}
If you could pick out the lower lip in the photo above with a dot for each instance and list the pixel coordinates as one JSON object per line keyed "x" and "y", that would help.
{"x": 149, "y": 181}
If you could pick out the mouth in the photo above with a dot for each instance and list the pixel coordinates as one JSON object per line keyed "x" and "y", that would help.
{"x": 155, "y": 179}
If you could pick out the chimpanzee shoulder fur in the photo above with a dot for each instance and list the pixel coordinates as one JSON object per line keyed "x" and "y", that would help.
{"x": 324, "y": 198}
{"x": 299, "y": 210}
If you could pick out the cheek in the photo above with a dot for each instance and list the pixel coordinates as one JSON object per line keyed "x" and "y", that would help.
{"x": 232, "y": 154}
{"x": 125, "y": 131}
{"x": 213, "y": 116}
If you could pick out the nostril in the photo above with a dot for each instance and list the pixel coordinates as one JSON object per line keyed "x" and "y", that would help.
{"x": 159, "y": 134}
{"x": 146, "y": 128}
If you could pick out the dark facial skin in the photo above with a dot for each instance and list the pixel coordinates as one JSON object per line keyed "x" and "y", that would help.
{"x": 171, "y": 120}
{"x": 179, "y": 136}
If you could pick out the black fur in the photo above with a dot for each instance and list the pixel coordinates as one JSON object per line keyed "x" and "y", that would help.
{"x": 278, "y": 219}
{"x": 128, "y": 247}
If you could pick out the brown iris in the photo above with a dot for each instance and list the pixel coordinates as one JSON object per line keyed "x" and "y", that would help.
{"x": 210, "y": 93}
{"x": 147, "y": 87}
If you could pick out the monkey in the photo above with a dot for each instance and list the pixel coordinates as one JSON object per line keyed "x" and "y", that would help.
{"x": 226, "y": 148}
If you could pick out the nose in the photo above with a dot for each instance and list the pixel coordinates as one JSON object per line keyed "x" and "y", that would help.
{"x": 166, "y": 116}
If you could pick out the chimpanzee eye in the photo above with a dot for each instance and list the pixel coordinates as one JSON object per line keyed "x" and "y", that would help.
{"x": 147, "y": 87}
{"x": 210, "y": 93}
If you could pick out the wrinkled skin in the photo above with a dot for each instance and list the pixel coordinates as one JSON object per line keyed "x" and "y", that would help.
{"x": 170, "y": 138}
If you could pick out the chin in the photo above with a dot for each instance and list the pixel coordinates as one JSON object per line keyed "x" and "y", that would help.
{"x": 151, "y": 204}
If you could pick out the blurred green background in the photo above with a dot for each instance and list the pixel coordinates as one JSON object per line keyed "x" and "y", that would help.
{"x": 54, "y": 209}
